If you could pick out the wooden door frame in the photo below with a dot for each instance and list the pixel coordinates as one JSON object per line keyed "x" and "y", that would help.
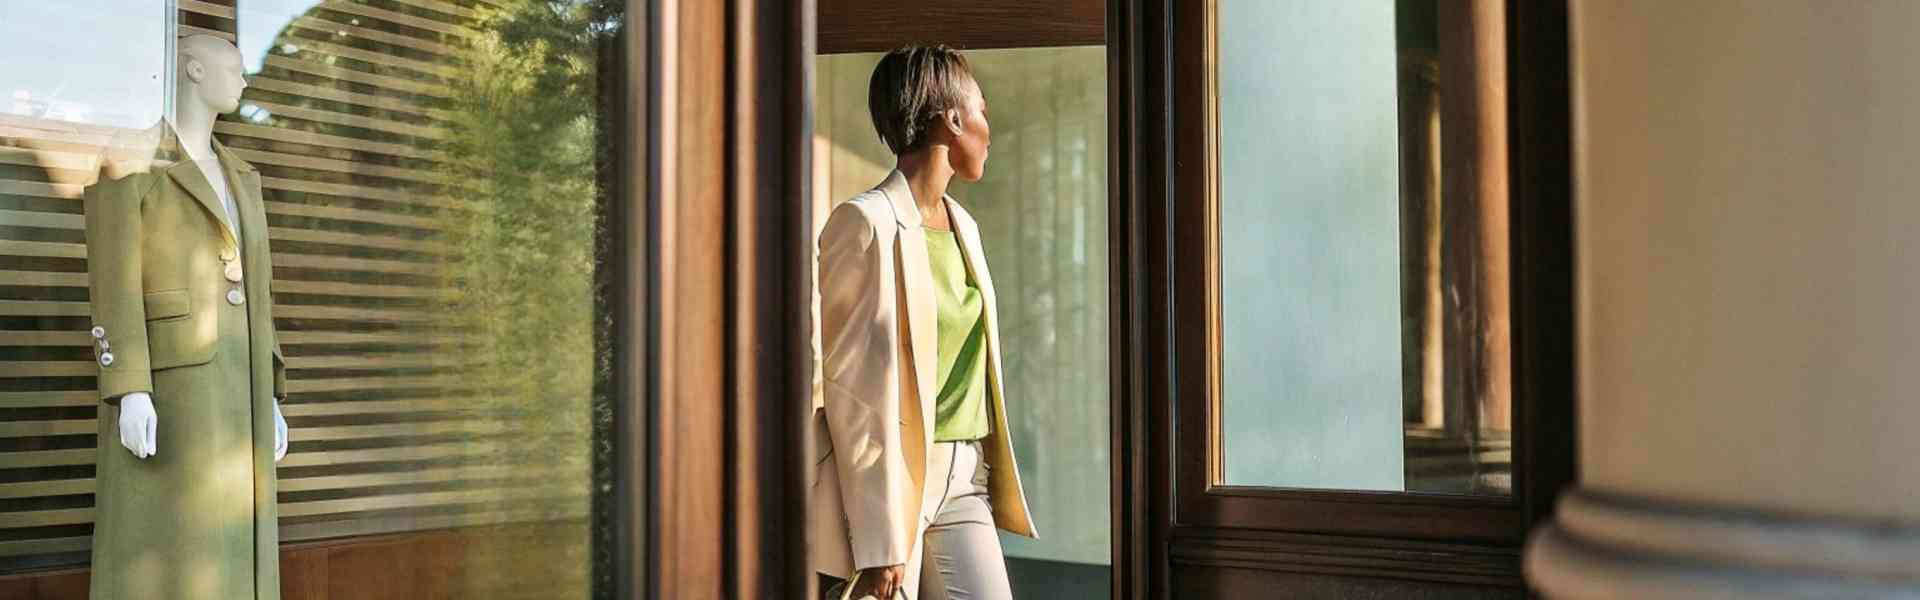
{"x": 1160, "y": 368}
{"x": 881, "y": 25}
{"x": 728, "y": 98}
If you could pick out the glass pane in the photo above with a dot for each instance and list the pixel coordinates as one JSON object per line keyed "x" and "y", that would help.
{"x": 67, "y": 97}
{"x": 426, "y": 179}
{"x": 1042, "y": 213}
{"x": 1362, "y": 243}
{"x": 57, "y": 76}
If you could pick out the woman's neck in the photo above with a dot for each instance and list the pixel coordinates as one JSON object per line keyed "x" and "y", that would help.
{"x": 927, "y": 175}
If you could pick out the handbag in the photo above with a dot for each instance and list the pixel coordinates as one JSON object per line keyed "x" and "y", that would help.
{"x": 844, "y": 590}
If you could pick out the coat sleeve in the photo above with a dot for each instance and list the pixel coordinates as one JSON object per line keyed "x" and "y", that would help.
{"x": 113, "y": 213}
{"x": 860, "y": 336}
{"x": 279, "y": 370}
{"x": 279, "y": 356}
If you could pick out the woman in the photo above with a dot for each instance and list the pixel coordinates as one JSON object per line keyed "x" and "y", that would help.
{"x": 914, "y": 465}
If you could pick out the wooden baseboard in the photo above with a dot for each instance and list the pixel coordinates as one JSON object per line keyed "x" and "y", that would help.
{"x": 544, "y": 560}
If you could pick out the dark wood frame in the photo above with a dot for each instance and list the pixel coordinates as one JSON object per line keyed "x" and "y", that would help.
{"x": 1167, "y": 510}
{"x": 621, "y": 555}
{"x": 728, "y": 141}
{"x": 881, "y": 25}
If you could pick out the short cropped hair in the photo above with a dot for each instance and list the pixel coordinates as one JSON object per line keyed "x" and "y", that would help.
{"x": 909, "y": 89}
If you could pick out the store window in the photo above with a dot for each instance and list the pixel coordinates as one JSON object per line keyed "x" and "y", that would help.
{"x": 432, "y": 174}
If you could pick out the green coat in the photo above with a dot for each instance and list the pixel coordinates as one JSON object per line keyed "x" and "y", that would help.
{"x": 197, "y": 519}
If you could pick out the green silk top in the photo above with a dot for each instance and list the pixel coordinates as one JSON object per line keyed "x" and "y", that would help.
{"x": 960, "y": 407}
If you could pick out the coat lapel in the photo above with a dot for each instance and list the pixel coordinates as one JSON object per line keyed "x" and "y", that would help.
{"x": 1009, "y": 498}
{"x": 975, "y": 259}
{"x": 969, "y": 233}
{"x": 916, "y": 283}
{"x": 188, "y": 175}
{"x": 242, "y": 183}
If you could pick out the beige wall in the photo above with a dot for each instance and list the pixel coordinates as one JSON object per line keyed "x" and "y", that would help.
{"x": 1746, "y": 220}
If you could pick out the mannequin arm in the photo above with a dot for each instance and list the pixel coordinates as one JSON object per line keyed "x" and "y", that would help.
{"x": 139, "y": 425}
{"x": 280, "y": 437}
{"x": 114, "y": 278}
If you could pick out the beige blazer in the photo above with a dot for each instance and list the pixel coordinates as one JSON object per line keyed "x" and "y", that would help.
{"x": 873, "y": 421}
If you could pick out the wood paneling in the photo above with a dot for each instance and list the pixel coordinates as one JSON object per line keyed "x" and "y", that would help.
{"x": 1232, "y": 582}
{"x": 773, "y": 265}
{"x": 880, "y": 25}
{"x": 733, "y": 89}
{"x": 409, "y": 566}
{"x": 689, "y": 450}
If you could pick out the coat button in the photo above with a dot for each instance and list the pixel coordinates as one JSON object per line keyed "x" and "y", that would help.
{"x": 236, "y": 298}
{"x": 227, "y": 253}
{"x": 99, "y": 333}
{"x": 106, "y": 359}
{"x": 233, "y": 271}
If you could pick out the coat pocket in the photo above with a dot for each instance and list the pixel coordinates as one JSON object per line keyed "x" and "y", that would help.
{"x": 167, "y": 304}
{"x": 176, "y": 337}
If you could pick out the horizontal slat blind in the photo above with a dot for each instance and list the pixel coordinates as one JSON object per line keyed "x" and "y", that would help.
{"x": 397, "y": 424}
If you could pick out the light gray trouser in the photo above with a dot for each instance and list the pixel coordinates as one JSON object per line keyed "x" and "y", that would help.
{"x": 961, "y": 558}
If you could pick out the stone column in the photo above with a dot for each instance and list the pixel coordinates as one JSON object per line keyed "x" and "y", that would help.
{"x": 1748, "y": 223}
{"x": 1473, "y": 215}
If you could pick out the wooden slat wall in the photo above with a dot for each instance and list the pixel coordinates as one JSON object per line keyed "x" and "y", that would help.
{"x": 386, "y": 437}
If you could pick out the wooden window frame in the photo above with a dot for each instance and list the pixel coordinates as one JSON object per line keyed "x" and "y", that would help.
{"x": 848, "y": 26}
{"x": 1168, "y": 507}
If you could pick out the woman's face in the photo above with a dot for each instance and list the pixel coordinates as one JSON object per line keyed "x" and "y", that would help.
{"x": 969, "y": 136}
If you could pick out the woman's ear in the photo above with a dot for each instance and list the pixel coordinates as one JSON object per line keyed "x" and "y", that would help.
{"x": 953, "y": 122}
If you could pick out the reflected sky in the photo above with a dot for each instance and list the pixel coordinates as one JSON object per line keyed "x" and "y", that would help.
{"x": 261, "y": 21}
{"x": 121, "y": 83}
{"x": 87, "y": 61}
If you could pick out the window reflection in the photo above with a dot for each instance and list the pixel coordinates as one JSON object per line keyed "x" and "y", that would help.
{"x": 430, "y": 179}
{"x": 1363, "y": 246}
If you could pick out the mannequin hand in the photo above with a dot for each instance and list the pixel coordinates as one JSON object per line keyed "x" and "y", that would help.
{"x": 879, "y": 582}
{"x": 139, "y": 425}
{"x": 279, "y": 433}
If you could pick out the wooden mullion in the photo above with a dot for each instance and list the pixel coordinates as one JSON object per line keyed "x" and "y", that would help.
{"x": 687, "y": 528}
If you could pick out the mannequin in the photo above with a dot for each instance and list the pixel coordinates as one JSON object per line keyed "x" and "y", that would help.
{"x": 179, "y": 273}
{"x": 200, "y": 95}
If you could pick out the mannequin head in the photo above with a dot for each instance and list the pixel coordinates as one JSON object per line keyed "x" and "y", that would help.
{"x": 209, "y": 74}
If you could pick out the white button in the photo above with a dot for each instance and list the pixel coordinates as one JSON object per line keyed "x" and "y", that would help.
{"x": 99, "y": 333}
{"x": 106, "y": 359}
{"x": 236, "y": 298}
